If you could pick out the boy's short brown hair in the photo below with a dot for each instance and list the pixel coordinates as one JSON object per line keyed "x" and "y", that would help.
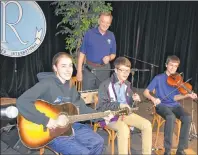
{"x": 172, "y": 58}
{"x": 122, "y": 61}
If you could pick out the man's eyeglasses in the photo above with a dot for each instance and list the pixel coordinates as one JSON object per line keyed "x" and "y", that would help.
{"x": 124, "y": 71}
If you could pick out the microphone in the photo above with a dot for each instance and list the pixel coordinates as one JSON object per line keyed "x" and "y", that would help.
{"x": 89, "y": 69}
{"x": 10, "y": 112}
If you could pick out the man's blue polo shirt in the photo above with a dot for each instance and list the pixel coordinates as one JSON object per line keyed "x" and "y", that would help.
{"x": 163, "y": 89}
{"x": 95, "y": 45}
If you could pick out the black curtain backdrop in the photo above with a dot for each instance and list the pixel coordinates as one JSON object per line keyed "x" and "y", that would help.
{"x": 148, "y": 31}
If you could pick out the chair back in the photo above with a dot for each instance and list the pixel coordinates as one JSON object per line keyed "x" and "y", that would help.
{"x": 153, "y": 106}
{"x": 77, "y": 83}
{"x": 88, "y": 95}
{"x": 95, "y": 97}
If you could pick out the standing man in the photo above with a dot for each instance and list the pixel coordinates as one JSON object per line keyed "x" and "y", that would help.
{"x": 168, "y": 107}
{"x": 99, "y": 47}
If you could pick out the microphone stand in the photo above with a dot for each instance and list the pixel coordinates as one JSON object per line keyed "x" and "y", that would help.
{"x": 15, "y": 71}
{"x": 102, "y": 69}
{"x": 132, "y": 78}
{"x": 133, "y": 70}
{"x": 138, "y": 70}
{"x": 152, "y": 65}
{"x": 93, "y": 71}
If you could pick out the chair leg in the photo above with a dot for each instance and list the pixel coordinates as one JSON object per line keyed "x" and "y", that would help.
{"x": 129, "y": 145}
{"x": 41, "y": 151}
{"x": 95, "y": 127}
{"x": 178, "y": 130}
{"x": 112, "y": 142}
{"x": 109, "y": 135}
{"x": 153, "y": 121}
{"x": 157, "y": 134}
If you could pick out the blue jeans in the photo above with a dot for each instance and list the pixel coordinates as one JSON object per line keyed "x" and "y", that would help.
{"x": 84, "y": 142}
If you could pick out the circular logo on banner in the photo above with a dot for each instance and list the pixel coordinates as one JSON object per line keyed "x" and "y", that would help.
{"x": 23, "y": 27}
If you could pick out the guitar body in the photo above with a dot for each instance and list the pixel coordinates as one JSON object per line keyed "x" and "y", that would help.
{"x": 36, "y": 136}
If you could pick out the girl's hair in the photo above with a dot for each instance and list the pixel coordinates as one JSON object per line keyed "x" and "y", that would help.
{"x": 122, "y": 61}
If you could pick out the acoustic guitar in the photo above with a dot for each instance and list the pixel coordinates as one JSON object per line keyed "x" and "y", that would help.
{"x": 35, "y": 136}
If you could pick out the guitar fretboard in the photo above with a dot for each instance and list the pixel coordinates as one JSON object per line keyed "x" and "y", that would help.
{"x": 84, "y": 117}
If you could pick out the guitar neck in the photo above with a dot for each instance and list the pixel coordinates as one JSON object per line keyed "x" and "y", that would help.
{"x": 84, "y": 117}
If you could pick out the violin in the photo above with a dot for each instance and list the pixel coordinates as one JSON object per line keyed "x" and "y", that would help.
{"x": 176, "y": 80}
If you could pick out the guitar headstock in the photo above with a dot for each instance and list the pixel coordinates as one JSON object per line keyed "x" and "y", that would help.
{"x": 122, "y": 111}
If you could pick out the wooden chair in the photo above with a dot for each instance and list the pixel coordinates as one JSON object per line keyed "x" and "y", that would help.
{"x": 77, "y": 83}
{"x": 111, "y": 133}
{"x": 160, "y": 121}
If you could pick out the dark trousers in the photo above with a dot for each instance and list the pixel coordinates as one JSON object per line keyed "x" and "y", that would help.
{"x": 92, "y": 80}
{"x": 170, "y": 114}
